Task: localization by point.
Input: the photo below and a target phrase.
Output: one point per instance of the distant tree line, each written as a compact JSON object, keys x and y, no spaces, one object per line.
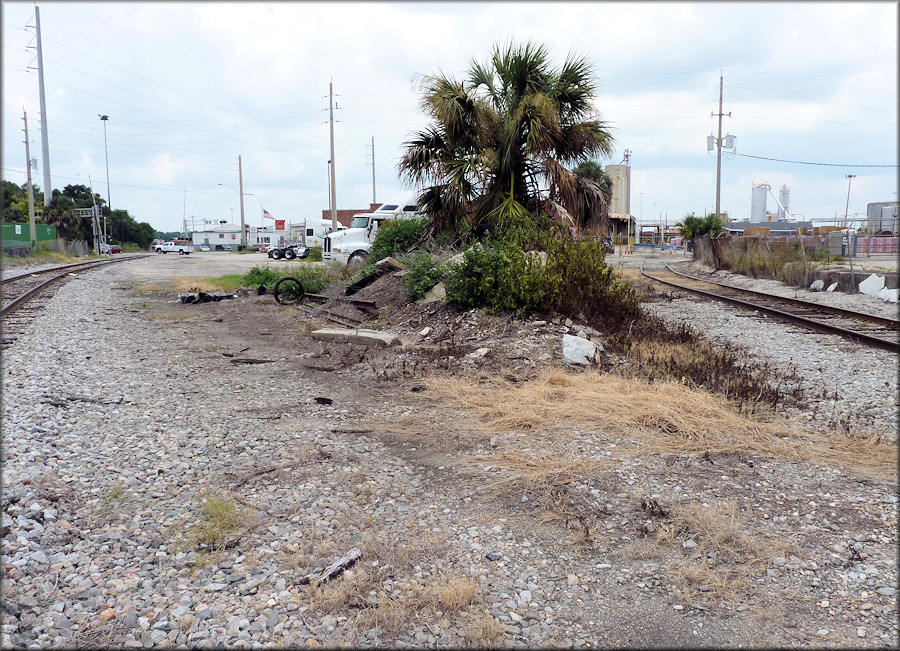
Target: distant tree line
{"x":120,"y":226}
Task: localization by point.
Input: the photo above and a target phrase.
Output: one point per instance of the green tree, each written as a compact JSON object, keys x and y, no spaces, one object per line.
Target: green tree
{"x":61,"y":213}
{"x":692,"y":227}
{"x":82,"y":196}
{"x":500,"y":140}
{"x":15,"y":202}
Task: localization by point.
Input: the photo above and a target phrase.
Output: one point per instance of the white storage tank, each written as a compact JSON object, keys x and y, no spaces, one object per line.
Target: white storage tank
{"x":758,"y":202}
{"x":784,"y":196}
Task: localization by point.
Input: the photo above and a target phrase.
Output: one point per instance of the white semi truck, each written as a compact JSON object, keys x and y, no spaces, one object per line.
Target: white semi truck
{"x":352,"y":245}
{"x":305,"y":235}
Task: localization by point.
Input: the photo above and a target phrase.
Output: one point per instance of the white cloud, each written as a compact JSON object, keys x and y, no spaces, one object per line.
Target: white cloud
{"x":190,"y":87}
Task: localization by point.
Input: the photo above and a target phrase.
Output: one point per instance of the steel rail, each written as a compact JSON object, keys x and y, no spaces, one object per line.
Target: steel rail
{"x":818,"y":326}
{"x":61,"y":272}
{"x":63,"y":267}
{"x":831,"y":309}
{"x":17,"y":302}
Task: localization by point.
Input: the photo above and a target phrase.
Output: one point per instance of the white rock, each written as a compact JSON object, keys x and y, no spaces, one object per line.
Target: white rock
{"x":889,"y":295}
{"x":872,"y":285}
{"x":577,"y":350}
{"x":831,"y":287}
{"x":817,"y":285}
{"x":480,"y":353}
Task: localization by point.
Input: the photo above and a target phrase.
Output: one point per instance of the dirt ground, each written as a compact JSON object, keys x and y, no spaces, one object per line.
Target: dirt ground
{"x":759,"y":532}
{"x":661,"y":516}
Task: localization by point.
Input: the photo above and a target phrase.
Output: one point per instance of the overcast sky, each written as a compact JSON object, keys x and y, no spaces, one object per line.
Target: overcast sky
{"x":189,"y":87}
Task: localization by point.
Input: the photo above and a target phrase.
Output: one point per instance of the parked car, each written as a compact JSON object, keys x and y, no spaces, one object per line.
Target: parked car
{"x":607,"y":243}
{"x":204,"y":248}
{"x":110,"y":248}
{"x":223,"y":247}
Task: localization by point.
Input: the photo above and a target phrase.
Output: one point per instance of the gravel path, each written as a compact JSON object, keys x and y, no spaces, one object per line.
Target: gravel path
{"x":127,"y":418}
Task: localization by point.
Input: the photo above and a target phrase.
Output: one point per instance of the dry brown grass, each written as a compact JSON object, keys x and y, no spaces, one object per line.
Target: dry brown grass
{"x":362,"y":590}
{"x":484,"y":632}
{"x":661,"y":416}
{"x":547,"y":480}
{"x":193,"y":284}
{"x":148,"y":288}
{"x":452,"y":594}
{"x":725,"y":560}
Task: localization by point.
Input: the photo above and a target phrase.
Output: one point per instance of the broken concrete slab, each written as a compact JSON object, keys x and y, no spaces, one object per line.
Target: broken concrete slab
{"x":360,"y":336}
{"x":889,"y":295}
{"x":872,"y":285}
{"x":434,"y":295}
{"x":480,"y":353}
{"x":578,"y":350}
{"x":817,"y":285}
{"x":389,"y":264}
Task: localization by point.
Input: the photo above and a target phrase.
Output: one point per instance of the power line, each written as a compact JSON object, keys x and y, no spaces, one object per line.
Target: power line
{"x":800,"y":162}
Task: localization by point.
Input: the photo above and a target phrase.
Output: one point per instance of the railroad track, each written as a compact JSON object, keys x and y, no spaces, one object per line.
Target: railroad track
{"x":23,"y":293}
{"x":862,"y":328}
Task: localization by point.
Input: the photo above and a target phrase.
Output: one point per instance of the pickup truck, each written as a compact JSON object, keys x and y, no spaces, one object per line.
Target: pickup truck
{"x":166,"y":247}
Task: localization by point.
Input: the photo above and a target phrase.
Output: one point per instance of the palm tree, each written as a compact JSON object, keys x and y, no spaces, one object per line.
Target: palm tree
{"x":500,"y":141}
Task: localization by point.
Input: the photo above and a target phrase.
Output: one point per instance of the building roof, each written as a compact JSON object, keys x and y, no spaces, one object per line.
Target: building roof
{"x":773,"y":226}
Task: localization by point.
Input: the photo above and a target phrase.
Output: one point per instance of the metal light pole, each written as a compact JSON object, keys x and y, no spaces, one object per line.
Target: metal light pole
{"x":850,"y":178}
{"x":850,"y":246}
{"x":104,"y":118}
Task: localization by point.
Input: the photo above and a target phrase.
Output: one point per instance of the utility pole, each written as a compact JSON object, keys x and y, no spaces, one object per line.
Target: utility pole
{"x":104,"y":118}
{"x":95,"y":217}
{"x":850,"y":178}
{"x":331,"y":126}
{"x":45,"y":141}
{"x":241,"y":186}
{"x":373,"y":169}
{"x":719,"y":147}
{"x":31,"y":222}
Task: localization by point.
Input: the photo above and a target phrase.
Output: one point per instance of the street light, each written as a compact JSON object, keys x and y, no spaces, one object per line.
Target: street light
{"x":850,"y":178}
{"x":104,"y":118}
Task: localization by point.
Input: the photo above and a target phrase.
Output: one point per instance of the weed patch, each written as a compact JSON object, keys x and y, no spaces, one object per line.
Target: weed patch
{"x":220,"y":517}
{"x":723,"y":559}
{"x":314,"y":279}
{"x":682,"y":355}
{"x":558,"y":484}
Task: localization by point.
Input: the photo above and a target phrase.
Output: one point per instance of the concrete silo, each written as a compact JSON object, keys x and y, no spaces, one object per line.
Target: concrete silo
{"x":784,"y":197}
{"x":758,"y":202}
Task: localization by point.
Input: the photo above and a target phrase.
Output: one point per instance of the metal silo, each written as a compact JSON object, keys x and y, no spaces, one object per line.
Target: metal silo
{"x":758,"y":202}
{"x":784,"y":196}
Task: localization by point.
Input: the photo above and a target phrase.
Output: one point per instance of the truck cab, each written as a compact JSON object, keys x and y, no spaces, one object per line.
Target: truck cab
{"x":352,"y":245}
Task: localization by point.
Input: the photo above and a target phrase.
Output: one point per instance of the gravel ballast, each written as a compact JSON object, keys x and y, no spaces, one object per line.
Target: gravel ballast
{"x":126,"y":415}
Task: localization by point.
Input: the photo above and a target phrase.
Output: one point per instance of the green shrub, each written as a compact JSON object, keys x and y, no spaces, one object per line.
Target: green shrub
{"x":528,"y":267}
{"x":497,"y":276}
{"x":315,"y":254}
{"x":261,"y":276}
{"x":314,"y":279}
{"x":424,"y":273}
{"x":396,"y":237}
